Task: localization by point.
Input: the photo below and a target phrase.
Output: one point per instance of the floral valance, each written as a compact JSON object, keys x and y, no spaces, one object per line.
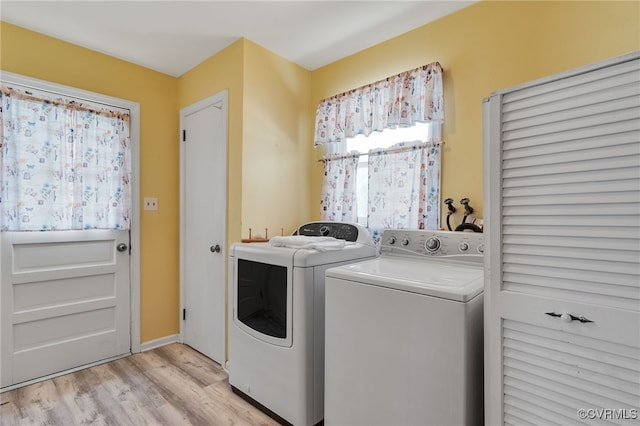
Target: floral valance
{"x":400,"y":100}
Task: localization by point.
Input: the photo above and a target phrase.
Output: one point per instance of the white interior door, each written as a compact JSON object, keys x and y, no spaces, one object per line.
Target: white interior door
{"x":562,"y":283}
{"x":203,"y":225}
{"x":65,"y":301}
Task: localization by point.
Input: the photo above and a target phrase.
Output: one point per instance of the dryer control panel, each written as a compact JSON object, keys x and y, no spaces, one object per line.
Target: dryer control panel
{"x":464,"y":245}
{"x":343,"y":231}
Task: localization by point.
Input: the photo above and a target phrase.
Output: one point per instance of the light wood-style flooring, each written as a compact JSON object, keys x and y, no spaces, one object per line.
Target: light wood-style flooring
{"x":170,"y":385}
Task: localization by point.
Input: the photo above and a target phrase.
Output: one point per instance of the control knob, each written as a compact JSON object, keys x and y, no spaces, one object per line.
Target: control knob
{"x":392,"y":240}
{"x":405,"y":242}
{"x":432,"y":244}
{"x":463,"y":246}
{"x":324,"y":230}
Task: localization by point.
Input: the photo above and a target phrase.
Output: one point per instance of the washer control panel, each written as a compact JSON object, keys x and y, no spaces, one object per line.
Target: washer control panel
{"x":432,"y":243}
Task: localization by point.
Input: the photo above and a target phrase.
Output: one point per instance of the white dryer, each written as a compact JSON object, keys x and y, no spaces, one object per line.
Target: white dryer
{"x":276,"y":324}
{"x":403,"y":338}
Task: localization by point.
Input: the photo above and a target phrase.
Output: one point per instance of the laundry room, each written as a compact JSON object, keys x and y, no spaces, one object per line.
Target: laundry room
{"x":270,"y":180}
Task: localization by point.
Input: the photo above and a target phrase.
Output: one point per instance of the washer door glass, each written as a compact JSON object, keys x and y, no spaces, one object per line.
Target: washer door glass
{"x":262,"y":297}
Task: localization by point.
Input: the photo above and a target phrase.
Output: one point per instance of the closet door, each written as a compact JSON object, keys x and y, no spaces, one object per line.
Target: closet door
{"x":562,"y":260}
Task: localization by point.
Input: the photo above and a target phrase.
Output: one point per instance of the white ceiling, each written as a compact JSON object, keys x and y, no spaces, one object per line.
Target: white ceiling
{"x":174,"y":36}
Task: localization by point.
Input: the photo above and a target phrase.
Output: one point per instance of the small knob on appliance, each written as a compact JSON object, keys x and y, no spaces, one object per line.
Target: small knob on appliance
{"x":405,"y":242}
{"x":481,"y":248}
{"x":324,"y":230}
{"x":463,"y":246}
{"x":432,"y":244}
{"x":391,"y":240}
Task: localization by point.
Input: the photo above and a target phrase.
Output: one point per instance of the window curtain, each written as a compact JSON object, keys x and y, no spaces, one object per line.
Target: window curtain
{"x":65,"y":165}
{"x":401,"y":100}
{"x":338,"y":198}
{"x":404,"y":187}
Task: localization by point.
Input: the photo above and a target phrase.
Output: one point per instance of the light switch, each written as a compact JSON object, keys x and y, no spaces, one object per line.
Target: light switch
{"x":150,"y":203}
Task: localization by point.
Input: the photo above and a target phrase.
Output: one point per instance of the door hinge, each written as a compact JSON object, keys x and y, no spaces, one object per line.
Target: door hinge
{"x":184,"y":135}
{"x":184,"y":314}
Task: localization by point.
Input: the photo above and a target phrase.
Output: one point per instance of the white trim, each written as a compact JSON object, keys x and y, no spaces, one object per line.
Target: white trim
{"x":221,"y":98}
{"x":157,"y":343}
{"x":134,"y":109}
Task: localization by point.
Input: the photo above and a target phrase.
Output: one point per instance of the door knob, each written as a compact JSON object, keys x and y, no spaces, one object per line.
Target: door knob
{"x":215,"y":249}
{"x":122,"y":247}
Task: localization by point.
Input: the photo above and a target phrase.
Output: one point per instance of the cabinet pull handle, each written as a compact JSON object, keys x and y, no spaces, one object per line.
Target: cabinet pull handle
{"x":568,"y":317}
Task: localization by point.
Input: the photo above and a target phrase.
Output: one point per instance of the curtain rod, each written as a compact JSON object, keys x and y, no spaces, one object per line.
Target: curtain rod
{"x":399,"y":149}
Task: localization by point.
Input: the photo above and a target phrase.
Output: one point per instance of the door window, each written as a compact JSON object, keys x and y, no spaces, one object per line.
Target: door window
{"x":65,"y":163}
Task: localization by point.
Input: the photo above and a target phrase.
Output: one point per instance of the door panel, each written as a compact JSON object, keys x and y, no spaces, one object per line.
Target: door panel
{"x":65,"y":301}
{"x":203,"y":235}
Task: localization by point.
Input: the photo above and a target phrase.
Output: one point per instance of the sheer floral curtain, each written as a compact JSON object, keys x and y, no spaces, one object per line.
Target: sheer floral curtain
{"x":400,"y":100}
{"x":338,"y":202}
{"x":403,"y":181}
{"x":64,"y":165}
{"x":404,"y":187}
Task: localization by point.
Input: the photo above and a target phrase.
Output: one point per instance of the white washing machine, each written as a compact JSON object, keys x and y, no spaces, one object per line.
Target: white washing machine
{"x":276,"y":324}
{"x":403,"y":337}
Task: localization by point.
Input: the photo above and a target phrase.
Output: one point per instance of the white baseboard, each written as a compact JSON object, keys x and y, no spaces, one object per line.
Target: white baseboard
{"x":152,"y":344}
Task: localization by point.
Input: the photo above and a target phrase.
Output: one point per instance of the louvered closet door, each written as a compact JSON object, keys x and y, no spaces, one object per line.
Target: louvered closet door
{"x":562,"y":186}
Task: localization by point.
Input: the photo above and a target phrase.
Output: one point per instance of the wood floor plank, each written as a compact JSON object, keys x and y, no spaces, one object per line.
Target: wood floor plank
{"x":237,"y":410}
{"x":169,"y":386}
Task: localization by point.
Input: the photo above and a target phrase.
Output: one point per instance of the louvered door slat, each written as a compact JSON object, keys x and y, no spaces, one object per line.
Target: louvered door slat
{"x":530,"y":404}
{"x":614,"y":197}
{"x":572,"y":135}
{"x":556,"y":159}
{"x":612,"y":230}
{"x":567,"y":242}
{"x":583,"y":173}
{"x":562,"y":115}
{"x":519,"y":149}
{"x":574,"y":85}
{"x":548,"y":274}
{"x":621,"y":89}
{"x":629,"y":184}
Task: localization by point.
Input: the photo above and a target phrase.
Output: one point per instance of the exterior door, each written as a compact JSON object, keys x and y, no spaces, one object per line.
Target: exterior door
{"x":69,"y":298}
{"x":562,"y":282}
{"x":203,"y":225}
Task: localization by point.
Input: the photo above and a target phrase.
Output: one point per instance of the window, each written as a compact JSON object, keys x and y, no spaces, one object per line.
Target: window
{"x":383,"y":183}
{"x":385,"y":139}
{"x":382,"y":140}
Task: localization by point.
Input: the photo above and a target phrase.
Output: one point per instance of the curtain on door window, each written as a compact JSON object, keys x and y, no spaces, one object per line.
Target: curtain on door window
{"x":338,"y":202}
{"x":404,"y":187}
{"x":65,"y":164}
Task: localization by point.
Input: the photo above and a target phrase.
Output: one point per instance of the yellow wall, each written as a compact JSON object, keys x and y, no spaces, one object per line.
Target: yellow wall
{"x":483,"y":48}
{"x":35,"y":55}
{"x":275,"y":145}
{"x":220,"y":72}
